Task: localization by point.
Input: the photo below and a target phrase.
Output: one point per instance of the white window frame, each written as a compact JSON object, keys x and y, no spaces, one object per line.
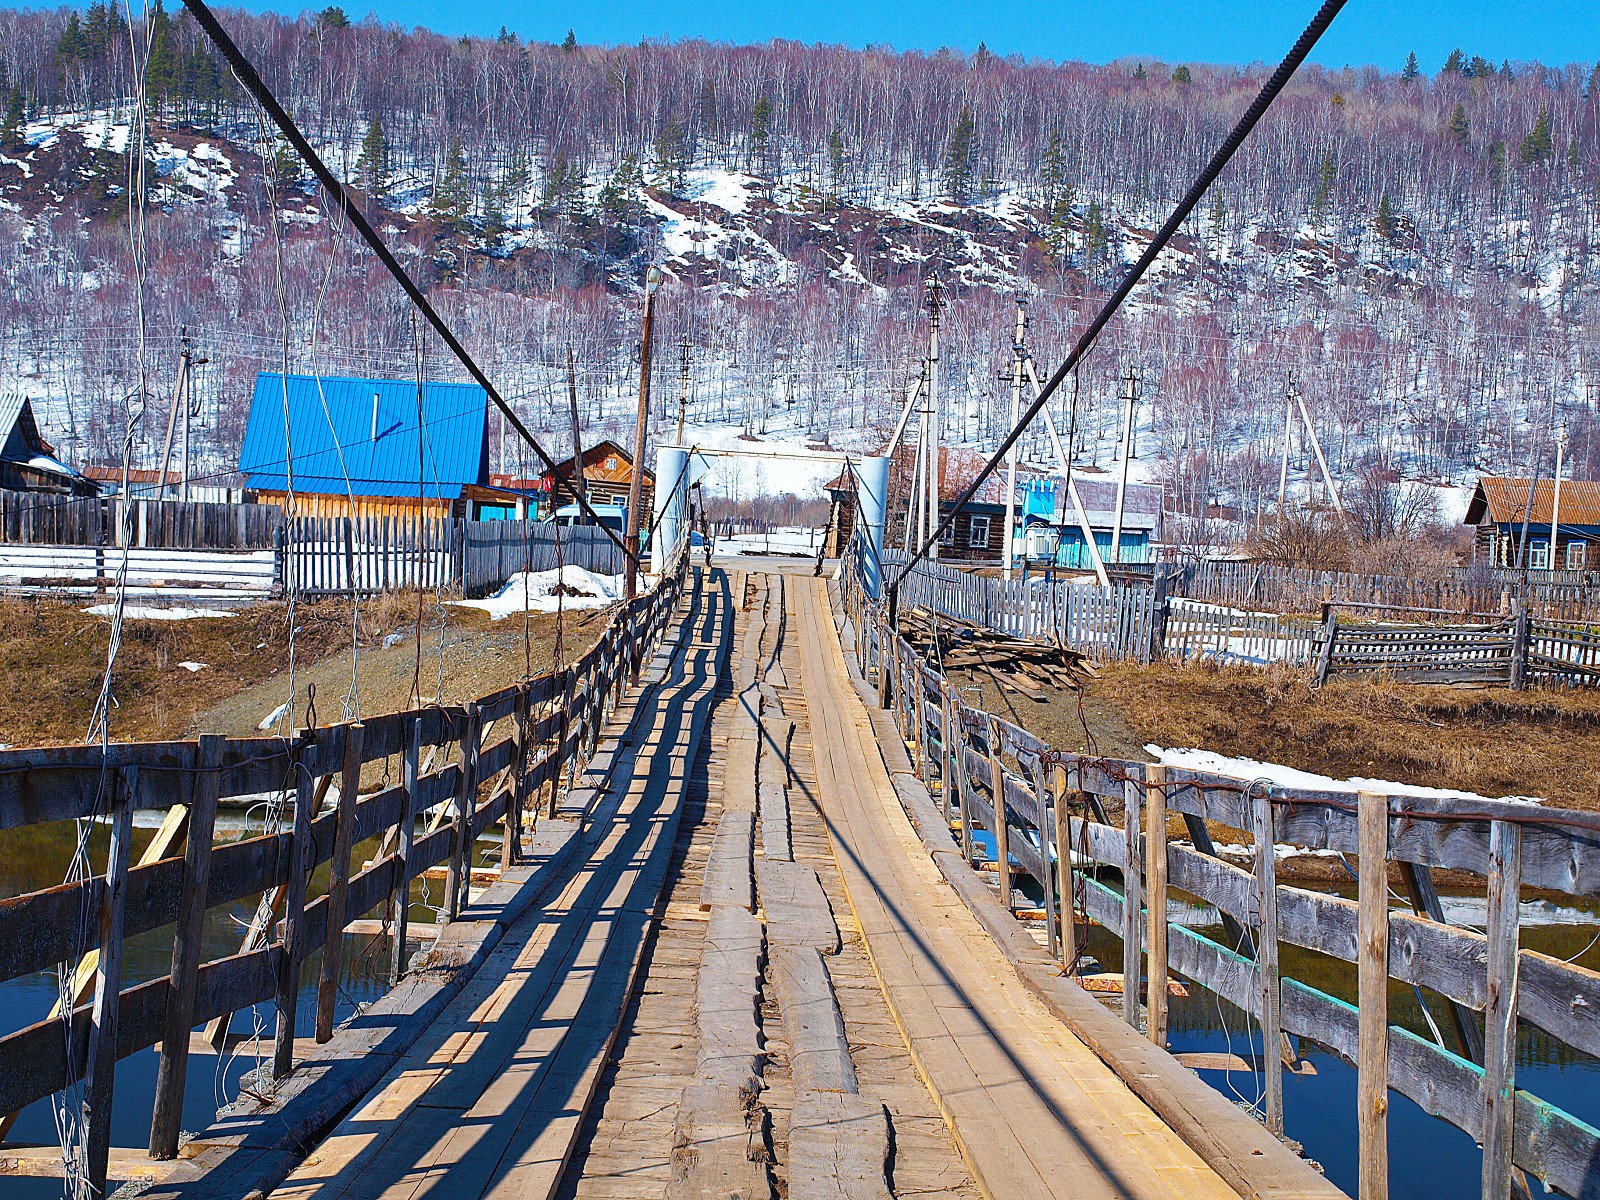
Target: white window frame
{"x":1538,"y":554}
{"x":975,"y":542}
{"x":1577,"y":554}
{"x":948,"y":537}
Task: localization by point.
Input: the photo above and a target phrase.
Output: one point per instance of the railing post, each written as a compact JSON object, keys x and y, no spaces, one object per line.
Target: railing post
{"x":1001,"y":830}
{"x":458,"y":875}
{"x":1500,"y":1011}
{"x":1269,"y":994}
{"x":1155,"y":871}
{"x":187,"y":951}
{"x":517,"y":800}
{"x":1052,"y":901}
{"x":1372,"y":1066}
{"x":1066,"y":887}
{"x":102,"y":1063}
{"x":294,"y":906}
{"x":339,"y":880}
{"x":400,"y":891}
{"x":1132,"y":893}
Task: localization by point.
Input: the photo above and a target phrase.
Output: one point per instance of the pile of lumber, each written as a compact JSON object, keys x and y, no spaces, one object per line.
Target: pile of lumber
{"x":963,"y":646}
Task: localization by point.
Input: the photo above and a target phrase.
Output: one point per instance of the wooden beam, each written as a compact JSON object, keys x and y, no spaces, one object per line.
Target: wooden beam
{"x":1132,"y":899}
{"x":339,"y":882}
{"x":187,"y":952}
{"x":400,"y":895}
{"x":1372,"y":1063}
{"x":997,"y":792}
{"x":100,"y":1074}
{"x":1155,"y":871}
{"x":301,"y":854}
{"x":1271,"y":997}
{"x":1066,"y":887}
{"x":1500,"y":1017}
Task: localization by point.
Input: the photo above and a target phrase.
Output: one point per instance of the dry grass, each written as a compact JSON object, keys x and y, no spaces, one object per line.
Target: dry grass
{"x":52,"y":657}
{"x":1489,"y":740}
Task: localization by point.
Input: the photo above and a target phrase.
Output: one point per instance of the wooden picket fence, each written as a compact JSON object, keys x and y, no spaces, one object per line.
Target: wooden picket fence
{"x":554,"y":722}
{"x":40,"y":519}
{"x":1092,"y":836}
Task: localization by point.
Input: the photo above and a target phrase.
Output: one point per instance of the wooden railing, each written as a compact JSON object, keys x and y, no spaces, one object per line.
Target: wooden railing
{"x":554,"y":721}
{"x":1111,"y":815}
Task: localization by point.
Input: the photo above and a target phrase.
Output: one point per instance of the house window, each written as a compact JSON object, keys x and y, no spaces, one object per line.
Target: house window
{"x":947,"y":536}
{"x":611,"y":462}
{"x":1577,"y":555}
{"x":978,"y":532}
{"x":1539,"y":554}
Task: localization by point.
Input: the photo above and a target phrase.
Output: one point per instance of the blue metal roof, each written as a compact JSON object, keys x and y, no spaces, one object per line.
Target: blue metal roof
{"x":367,"y":431}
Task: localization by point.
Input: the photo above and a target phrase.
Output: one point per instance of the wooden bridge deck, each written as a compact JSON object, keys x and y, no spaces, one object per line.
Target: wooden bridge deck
{"x":750,"y":980}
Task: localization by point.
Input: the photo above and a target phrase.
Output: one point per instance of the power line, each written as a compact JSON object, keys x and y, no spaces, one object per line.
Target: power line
{"x":1191,"y":199}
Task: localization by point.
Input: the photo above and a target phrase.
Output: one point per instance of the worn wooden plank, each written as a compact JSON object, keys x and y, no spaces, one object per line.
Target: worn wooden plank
{"x":101,"y":1068}
{"x":838,"y":1147}
{"x":187,"y":953}
{"x":1155,"y":871}
{"x":1267,"y":956}
{"x":400,"y":898}
{"x":1372,"y":1068}
{"x":1132,"y":893}
{"x":1500,"y":1015}
{"x":728,"y":878}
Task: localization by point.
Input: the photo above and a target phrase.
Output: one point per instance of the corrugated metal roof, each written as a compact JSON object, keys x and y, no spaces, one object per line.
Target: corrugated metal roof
{"x":11,"y":404}
{"x":338,"y":441}
{"x":1504,"y":501}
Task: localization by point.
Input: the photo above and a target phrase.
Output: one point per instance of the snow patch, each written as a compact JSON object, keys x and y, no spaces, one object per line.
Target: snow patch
{"x":536,"y":592}
{"x":142,"y":612}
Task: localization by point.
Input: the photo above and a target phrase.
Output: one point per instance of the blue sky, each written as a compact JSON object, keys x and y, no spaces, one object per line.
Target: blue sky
{"x":1224,"y":31}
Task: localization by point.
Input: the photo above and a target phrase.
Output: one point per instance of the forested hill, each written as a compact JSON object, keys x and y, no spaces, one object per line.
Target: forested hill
{"x":1414,"y":247}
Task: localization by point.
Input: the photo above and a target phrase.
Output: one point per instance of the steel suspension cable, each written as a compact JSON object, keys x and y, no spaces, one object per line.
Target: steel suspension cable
{"x":336,"y":190}
{"x":1269,"y":92}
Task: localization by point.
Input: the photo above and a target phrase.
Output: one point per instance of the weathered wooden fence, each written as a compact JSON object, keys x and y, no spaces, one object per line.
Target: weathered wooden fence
{"x":323,"y":556}
{"x":553,"y":722}
{"x":38,"y":519}
{"x":1092,"y":836}
{"x":1481,"y":591}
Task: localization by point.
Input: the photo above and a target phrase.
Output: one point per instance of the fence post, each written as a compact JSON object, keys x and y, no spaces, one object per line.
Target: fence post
{"x":294,"y":906}
{"x":1519,"y":647}
{"x":171,"y":1073}
{"x":1132,"y":893}
{"x":102,"y":1064}
{"x":1372,"y":1053}
{"x":1330,"y":629}
{"x":339,"y":880}
{"x":1269,"y":994}
{"x":1155,"y":869}
{"x":1001,"y":831}
{"x":1500,"y":1011}
{"x":350,"y":557}
{"x":400,"y":892}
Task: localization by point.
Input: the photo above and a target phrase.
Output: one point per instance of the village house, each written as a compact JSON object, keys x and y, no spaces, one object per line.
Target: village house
{"x":28,"y":463}
{"x":1503,"y":519}
{"x":372,"y":448}
{"x":607,"y":476}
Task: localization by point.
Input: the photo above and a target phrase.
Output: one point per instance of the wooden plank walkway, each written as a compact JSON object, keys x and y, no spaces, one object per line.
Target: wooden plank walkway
{"x":1032,"y":1108}
{"x":489,"y":1102}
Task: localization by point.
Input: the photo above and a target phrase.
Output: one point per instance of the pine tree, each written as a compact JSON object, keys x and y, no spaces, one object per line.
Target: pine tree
{"x":494,"y":213}
{"x":11,"y":123}
{"x":1537,"y":145}
{"x":1219,"y":221}
{"x":286,"y":168}
{"x":1458,"y":127}
{"x":162,"y":67}
{"x":1181,"y":75}
{"x":518,"y":173}
{"x":672,"y":157}
{"x":506,"y":37}
{"x":760,"y":132}
{"x":72,"y":44}
{"x":619,"y":200}
{"x":1059,"y":196}
{"x":960,"y":158}
{"x":1572,"y":154}
{"x":1386,"y":224}
{"x":1139,"y":72}
{"x":1479,"y":68}
{"x":1095,"y":240}
{"x":570,"y":42}
{"x":333,"y":17}
{"x":372,"y":167}
{"x":1452,"y":65}
{"x":1412,"y":69}
{"x":1497,"y":161}
{"x":452,"y":196}
{"x":836,"y":165}
{"x":1323,"y":195}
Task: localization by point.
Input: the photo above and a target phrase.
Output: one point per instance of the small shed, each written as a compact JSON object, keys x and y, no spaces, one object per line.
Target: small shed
{"x":1500,"y":510}
{"x":369,"y":447}
{"x":28,"y":463}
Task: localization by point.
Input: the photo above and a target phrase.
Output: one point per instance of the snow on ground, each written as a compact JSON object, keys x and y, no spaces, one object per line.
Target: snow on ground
{"x":536,"y":592}
{"x":802,"y":542}
{"x":772,"y":466}
{"x":140,"y":612}
{"x":1249,"y":769}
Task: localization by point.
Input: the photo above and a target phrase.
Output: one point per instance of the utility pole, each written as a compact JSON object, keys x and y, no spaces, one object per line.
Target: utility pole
{"x":180,"y":399}
{"x":1011,"y":457}
{"x":1127,"y":453}
{"x":683,"y":391}
{"x":1288,"y":425}
{"x":578,"y":486}
{"x":1316,"y":448}
{"x":932,"y":461}
{"x":1555,"y":507}
{"x":652,"y":280}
